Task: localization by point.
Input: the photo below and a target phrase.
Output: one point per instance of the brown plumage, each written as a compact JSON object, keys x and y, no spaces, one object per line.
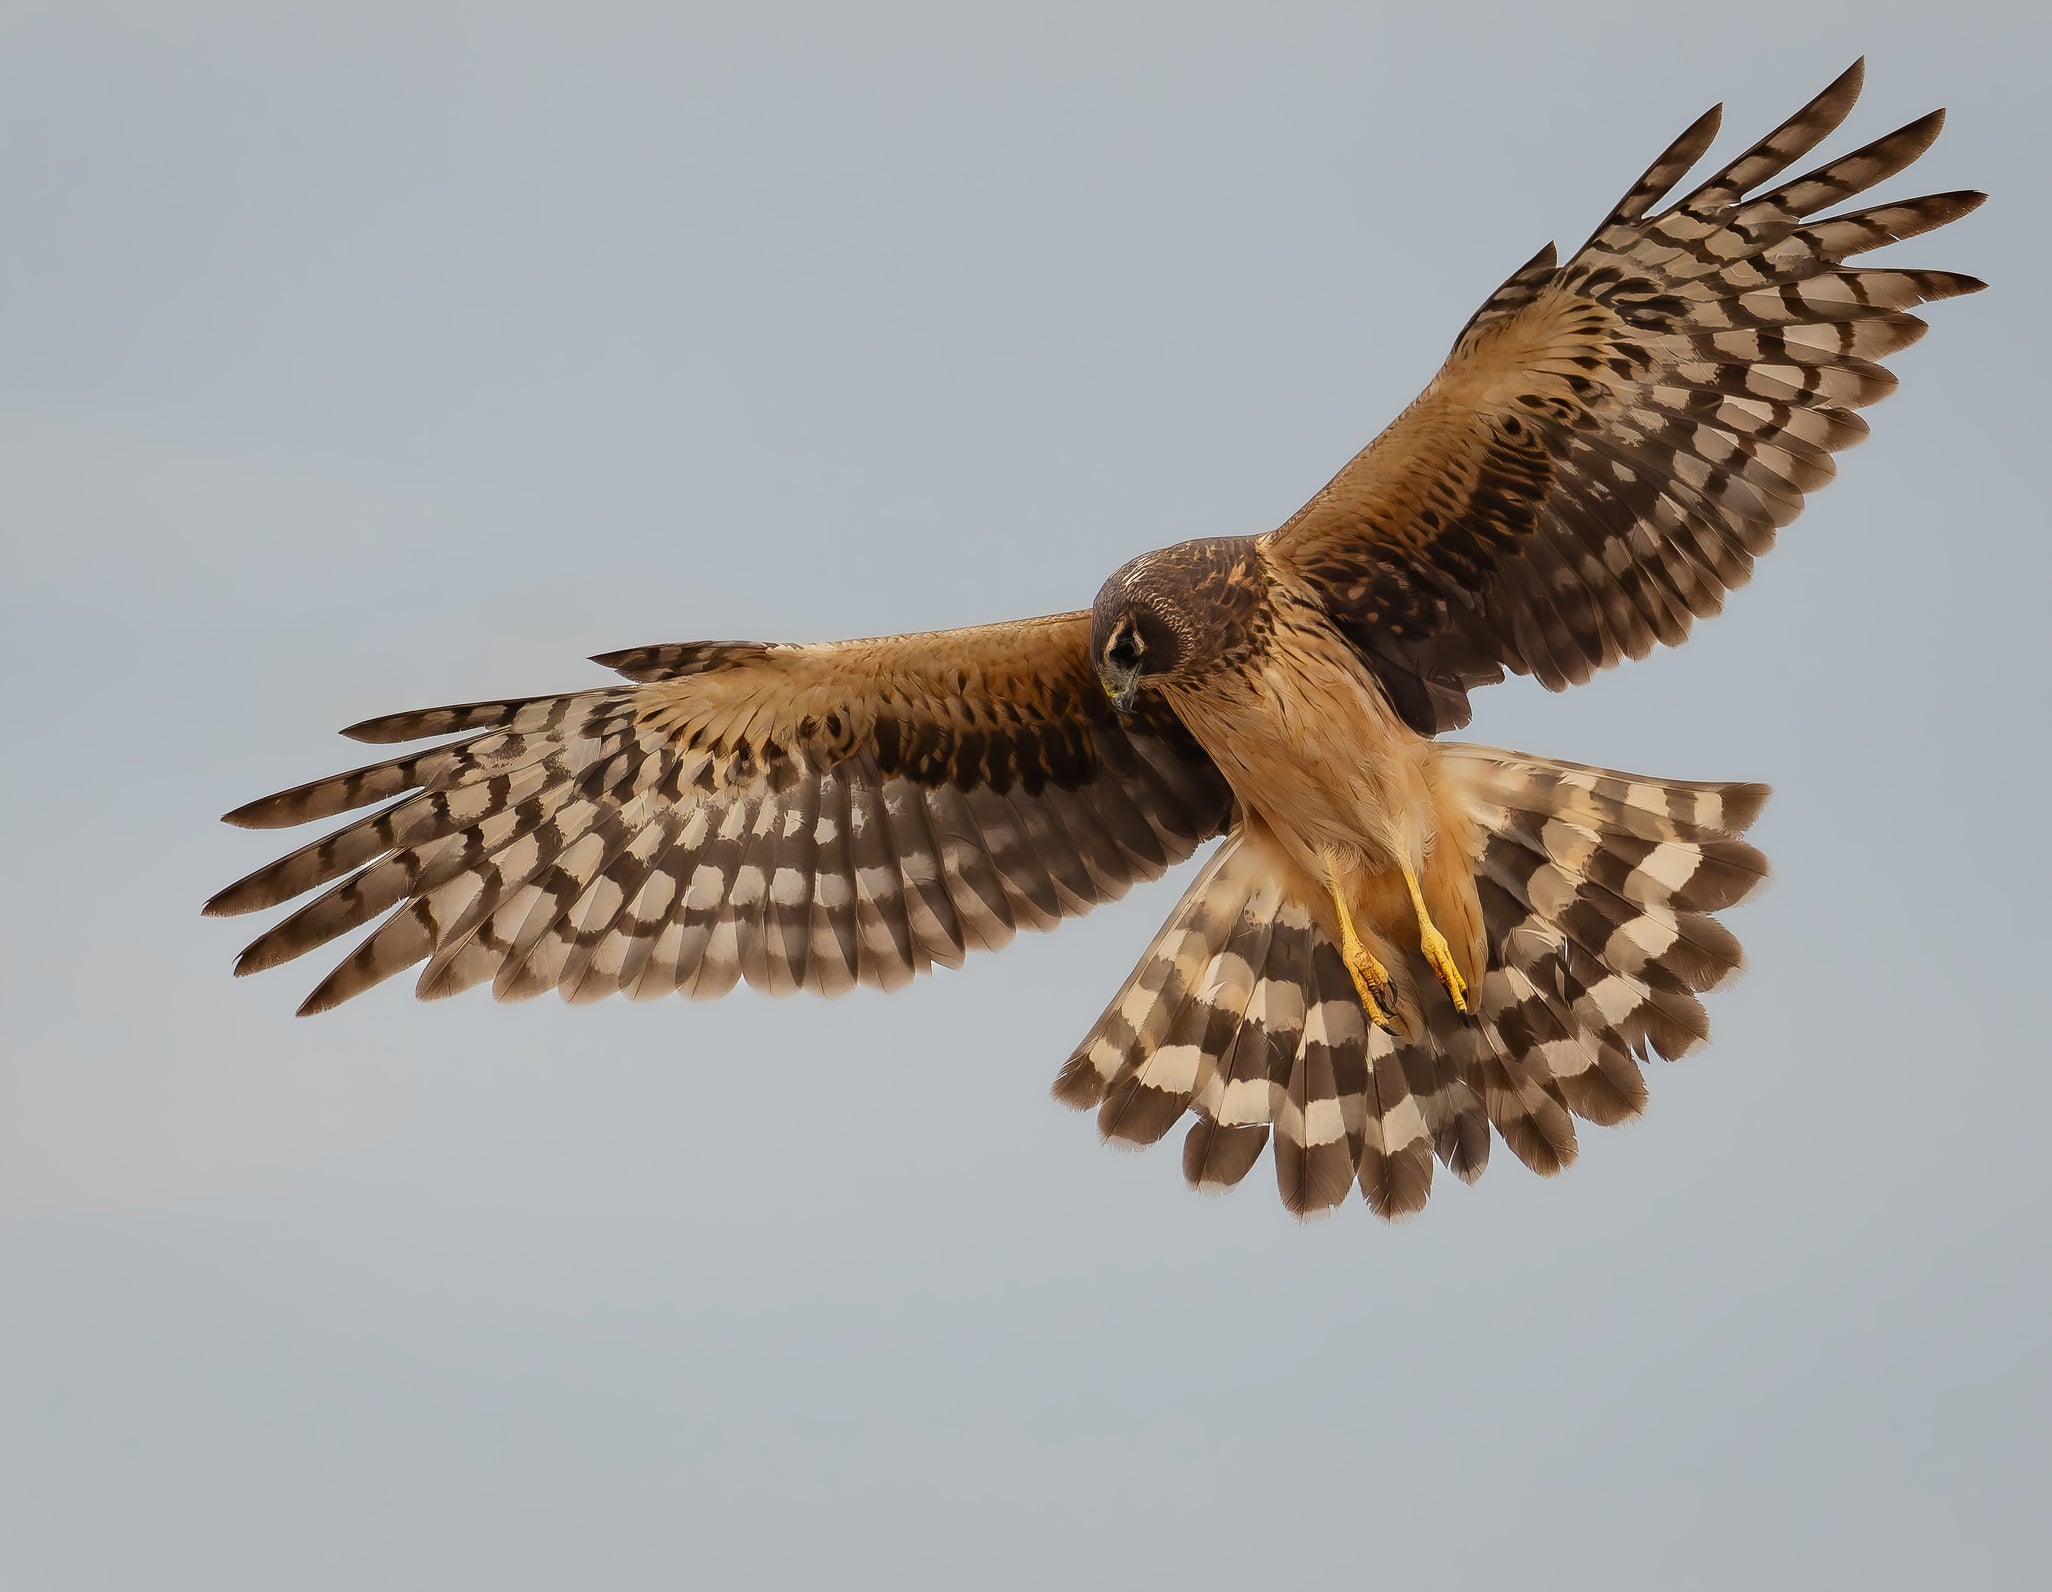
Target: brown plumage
{"x":1402,"y":943}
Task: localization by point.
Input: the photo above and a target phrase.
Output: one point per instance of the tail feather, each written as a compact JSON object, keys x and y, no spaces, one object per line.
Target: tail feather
{"x":1395,"y":1164}
{"x":1441,"y":1075}
{"x":1140,"y":1015}
{"x":1318,"y":1126}
{"x":1630,"y":935}
{"x":1149,"y":1099}
{"x":1596,"y":891}
{"x":1236,"y":1102}
{"x":1521,"y":1049}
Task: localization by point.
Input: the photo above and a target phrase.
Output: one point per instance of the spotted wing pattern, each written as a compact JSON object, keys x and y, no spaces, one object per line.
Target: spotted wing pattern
{"x":1597,"y":890}
{"x":792,"y":816}
{"x":1613,"y":441}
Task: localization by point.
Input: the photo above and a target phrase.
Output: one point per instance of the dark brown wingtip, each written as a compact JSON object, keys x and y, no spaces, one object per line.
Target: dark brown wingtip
{"x":389,"y":729}
{"x":420,"y":724}
{"x":321,"y":1000}
{"x":258,"y":814}
{"x":1913,"y":138}
{"x":378,"y":731}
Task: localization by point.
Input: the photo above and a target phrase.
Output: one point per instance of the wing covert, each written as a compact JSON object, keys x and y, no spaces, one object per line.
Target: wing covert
{"x":1613,"y":441}
{"x":792,"y":816}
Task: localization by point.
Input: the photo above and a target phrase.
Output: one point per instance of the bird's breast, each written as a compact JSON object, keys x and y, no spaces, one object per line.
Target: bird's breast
{"x":1307,"y":740}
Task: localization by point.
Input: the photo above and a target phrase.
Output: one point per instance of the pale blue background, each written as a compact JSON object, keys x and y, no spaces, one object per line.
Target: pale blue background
{"x":363,"y":356}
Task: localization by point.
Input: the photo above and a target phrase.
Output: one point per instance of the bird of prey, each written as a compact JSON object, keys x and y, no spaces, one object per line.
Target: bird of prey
{"x":1401,"y":942}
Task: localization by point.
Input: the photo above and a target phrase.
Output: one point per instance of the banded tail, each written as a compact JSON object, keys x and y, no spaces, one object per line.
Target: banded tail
{"x":1596,"y":889}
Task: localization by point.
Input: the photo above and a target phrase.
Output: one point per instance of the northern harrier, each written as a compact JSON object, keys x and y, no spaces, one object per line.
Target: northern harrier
{"x":1401,"y":940}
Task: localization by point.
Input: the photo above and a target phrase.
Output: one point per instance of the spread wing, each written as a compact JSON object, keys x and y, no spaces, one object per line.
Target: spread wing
{"x":796,"y":816}
{"x":1613,"y":441}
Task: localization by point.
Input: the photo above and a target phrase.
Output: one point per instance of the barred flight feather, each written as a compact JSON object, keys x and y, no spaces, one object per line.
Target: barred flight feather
{"x":1615,"y":440}
{"x":1596,"y":890}
{"x":798,"y":818}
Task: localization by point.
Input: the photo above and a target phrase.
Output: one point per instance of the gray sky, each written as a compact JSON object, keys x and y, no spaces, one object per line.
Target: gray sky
{"x":358,"y":358}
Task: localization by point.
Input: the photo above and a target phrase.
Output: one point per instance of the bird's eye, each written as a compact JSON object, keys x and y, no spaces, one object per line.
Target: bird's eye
{"x":1124,"y":651}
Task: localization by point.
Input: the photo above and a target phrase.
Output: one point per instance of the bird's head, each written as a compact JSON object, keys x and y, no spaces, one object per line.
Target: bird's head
{"x":1133,"y":638}
{"x":1168,"y":613}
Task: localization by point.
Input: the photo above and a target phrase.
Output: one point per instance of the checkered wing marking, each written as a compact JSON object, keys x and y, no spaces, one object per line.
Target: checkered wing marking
{"x":796,"y":817}
{"x":1613,"y":441}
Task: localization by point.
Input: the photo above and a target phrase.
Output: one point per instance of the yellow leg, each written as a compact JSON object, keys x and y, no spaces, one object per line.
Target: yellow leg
{"x":1438,"y":954}
{"x":1371,"y":978}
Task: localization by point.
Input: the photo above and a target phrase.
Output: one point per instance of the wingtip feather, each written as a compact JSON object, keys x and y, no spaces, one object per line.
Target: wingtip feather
{"x":375,"y":731}
{"x":323,"y":999}
{"x":263,"y":813}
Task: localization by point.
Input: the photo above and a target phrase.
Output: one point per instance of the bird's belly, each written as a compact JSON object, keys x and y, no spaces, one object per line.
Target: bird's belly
{"x":1317,"y":753}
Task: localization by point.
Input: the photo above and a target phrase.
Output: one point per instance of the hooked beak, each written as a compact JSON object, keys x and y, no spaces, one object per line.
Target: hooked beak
{"x":1119,"y":684}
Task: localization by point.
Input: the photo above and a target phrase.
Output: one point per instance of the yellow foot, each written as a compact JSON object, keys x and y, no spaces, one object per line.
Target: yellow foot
{"x":1439,"y":957}
{"x":1438,"y":954}
{"x":1371,"y":982}
{"x":1371,"y":978}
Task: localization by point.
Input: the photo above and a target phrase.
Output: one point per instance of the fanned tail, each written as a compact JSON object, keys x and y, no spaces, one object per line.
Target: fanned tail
{"x":1597,"y":890}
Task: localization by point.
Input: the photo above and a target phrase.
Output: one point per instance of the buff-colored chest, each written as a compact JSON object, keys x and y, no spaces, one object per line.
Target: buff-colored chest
{"x":1309,"y":743}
